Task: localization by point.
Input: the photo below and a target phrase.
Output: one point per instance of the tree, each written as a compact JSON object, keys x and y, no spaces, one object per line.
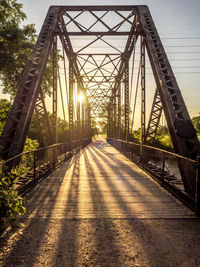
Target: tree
{"x":94,"y":128}
{"x":196,"y":123}
{"x":11,"y":12}
{"x":16,"y":44}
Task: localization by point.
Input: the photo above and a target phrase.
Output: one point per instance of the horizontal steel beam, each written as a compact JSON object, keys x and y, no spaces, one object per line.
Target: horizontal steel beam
{"x":100,"y":8}
{"x":99,"y":54}
{"x":98,"y":33}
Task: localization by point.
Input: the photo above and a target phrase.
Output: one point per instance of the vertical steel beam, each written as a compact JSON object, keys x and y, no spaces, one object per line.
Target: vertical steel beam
{"x":78,"y":112}
{"x":126,"y":99}
{"x":111,"y":116}
{"x":87,"y":119}
{"x":89,"y":123}
{"x":114,"y":113}
{"x":83,"y":118}
{"x":86,"y":126}
{"x":71,"y":99}
{"x":143,"y":89}
{"x":197,"y":195}
{"x":55,"y":90}
{"x":119,"y":110}
{"x":109,"y":123}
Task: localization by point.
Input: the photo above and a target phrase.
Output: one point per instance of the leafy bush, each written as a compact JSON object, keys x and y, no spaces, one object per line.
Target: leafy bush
{"x":11,"y":204}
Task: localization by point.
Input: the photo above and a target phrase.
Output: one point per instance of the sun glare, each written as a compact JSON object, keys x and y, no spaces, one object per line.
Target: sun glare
{"x":80,"y":98}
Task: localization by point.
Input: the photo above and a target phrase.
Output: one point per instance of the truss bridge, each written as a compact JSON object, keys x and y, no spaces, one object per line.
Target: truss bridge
{"x":98,"y":55}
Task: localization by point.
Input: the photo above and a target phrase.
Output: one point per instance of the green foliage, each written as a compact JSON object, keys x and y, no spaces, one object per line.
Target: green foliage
{"x":103,"y":126}
{"x":164,"y":142}
{"x":62,"y":130}
{"x":34,"y":131}
{"x":16,"y":44}
{"x":15,"y":48}
{"x":135,"y":137}
{"x":30,"y":145}
{"x":163,"y":139}
{"x":27,"y":159}
{"x":4,"y":109}
{"x":11,"y":205}
{"x":94,"y":128}
{"x":11,"y":12}
{"x":196,"y":123}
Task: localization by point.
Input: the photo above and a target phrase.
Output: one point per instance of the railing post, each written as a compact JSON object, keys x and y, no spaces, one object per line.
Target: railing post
{"x":197,"y":198}
{"x":1,"y":167}
{"x":65,"y":153}
{"x":163,"y":168}
{"x":34,"y":167}
{"x":132,"y":152}
{"x":54,"y":157}
{"x":141,"y":154}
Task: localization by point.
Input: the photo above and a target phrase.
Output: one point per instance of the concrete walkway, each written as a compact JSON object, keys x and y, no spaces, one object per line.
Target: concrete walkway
{"x":100,"y":209}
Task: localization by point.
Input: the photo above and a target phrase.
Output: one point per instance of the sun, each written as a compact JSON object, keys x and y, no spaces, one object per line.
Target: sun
{"x":80,"y":98}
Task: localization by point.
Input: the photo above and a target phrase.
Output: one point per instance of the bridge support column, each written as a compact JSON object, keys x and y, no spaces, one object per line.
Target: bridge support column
{"x":79,"y":91}
{"x":109,"y":122}
{"x":197,"y":198}
{"x":71,"y":91}
{"x":55,"y":87}
{"x":143,"y":90}
{"x":126,"y":99}
{"x":83,"y":119}
{"x":119,"y":111}
{"x":114,"y":114}
{"x":111,"y":118}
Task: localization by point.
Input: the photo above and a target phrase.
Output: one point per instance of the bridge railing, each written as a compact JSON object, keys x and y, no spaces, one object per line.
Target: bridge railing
{"x":164,"y":166}
{"x":31,"y":167}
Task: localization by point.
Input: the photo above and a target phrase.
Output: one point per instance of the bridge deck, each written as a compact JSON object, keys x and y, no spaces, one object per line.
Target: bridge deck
{"x":102,"y":183}
{"x":100,"y":209}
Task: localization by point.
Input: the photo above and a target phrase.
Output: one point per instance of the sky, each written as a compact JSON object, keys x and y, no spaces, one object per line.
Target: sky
{"x":178,"y":24}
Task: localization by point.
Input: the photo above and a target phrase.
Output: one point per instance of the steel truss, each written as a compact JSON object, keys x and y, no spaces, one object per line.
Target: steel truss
{"x":103,"y":77}
{"x":154,"y":119}
{"x":43,"y":120}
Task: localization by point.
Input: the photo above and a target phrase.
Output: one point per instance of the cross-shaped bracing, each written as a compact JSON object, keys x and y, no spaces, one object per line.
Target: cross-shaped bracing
{"x":98,"y":20}
{"x":98,"y":72}
{"x":100,"y":68}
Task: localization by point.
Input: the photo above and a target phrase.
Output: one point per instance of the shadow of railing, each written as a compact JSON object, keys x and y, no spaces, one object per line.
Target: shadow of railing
{"x":31,"y":167}
{"x":169,"y":169}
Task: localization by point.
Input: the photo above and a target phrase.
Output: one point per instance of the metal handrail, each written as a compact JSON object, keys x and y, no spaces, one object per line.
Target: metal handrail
{"x":40,"y":149}
{"x":43,"y":161}
{"x":155,"y":165}
{"x":154,"y":148}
